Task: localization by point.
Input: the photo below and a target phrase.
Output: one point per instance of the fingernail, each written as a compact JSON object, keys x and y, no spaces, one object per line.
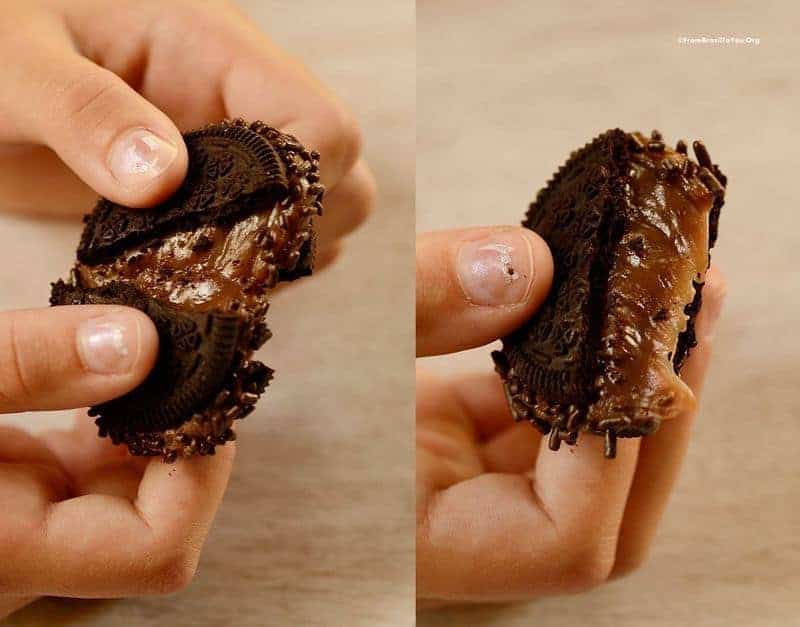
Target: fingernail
{"x":139,"y":156}
{"x":108,"y":344}
{"x":497,"y":269}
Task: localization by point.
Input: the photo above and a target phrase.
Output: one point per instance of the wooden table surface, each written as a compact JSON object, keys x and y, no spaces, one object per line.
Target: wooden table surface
{"x":505,"y":91}
{"x":317,"y":524}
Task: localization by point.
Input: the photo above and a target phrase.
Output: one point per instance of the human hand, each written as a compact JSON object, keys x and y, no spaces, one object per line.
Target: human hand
{"x":500,"y":517}
{"x":98,"y":91}
{"x":83,"y":518}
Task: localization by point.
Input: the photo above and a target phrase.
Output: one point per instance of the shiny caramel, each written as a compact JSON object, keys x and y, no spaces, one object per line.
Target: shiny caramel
{"x":662,"y":254}
{"x":211,"y":267}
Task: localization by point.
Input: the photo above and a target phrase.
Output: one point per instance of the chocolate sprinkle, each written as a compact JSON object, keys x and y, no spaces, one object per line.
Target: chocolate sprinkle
{"x":703,"y":158}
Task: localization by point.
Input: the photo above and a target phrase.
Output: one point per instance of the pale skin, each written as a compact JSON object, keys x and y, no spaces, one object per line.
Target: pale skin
{"x":500,"y":517}
{"x":82,"y":518}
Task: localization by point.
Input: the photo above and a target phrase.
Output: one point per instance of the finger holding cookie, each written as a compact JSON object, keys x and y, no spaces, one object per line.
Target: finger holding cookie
{"x":100,"y":118}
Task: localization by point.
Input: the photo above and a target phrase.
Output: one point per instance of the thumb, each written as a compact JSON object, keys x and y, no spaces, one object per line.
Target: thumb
{"x":72,"y":356}
{"x":111,"y":137}
{"x":477,"y":285}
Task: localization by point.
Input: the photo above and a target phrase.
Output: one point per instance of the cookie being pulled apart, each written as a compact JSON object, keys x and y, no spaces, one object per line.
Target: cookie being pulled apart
{"x":630,"y":223}
{"x":201,"y":265}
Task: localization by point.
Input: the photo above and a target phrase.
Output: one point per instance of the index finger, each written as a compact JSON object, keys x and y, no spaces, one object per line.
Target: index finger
{"x":549,"y":532}
{"x":264,"y":83}
{"x":662,"y":453}
{"x":109,"y":546}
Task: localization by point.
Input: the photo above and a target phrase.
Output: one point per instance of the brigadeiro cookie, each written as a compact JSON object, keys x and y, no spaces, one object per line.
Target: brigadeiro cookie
{"x":630,"y":223}
{"x":201,"y":265}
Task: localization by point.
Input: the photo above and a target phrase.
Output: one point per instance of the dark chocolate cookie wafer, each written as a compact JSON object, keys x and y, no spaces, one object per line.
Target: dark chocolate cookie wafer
{"x":201,"y":265}
{"x":630,"y":223}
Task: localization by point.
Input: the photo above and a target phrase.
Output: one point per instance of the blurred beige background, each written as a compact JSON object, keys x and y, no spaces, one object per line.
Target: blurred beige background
{"x":505,"y":91}
{"x":317,"y":524}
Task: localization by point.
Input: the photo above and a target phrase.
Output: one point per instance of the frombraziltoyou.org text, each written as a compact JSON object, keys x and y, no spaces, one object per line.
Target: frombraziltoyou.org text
{"x":718,"y":40}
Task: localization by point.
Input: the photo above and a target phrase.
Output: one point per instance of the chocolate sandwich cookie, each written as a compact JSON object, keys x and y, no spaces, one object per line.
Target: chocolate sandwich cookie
{"x":201,"y":265}
{"x":630,"y":223}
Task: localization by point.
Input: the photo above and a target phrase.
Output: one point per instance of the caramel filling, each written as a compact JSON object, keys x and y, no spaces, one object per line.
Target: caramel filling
{"x":650,"y":283}
{"x":213,"y":267}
